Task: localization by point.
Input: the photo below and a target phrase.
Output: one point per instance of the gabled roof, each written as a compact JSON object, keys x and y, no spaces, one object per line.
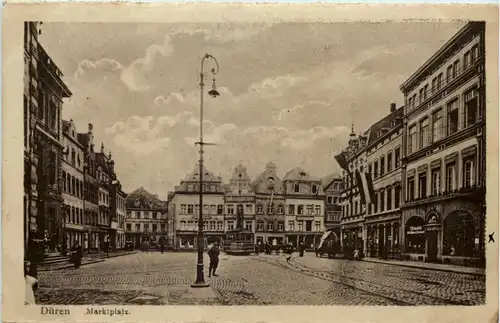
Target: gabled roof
{"x":102,"y":161}
{"x":386,"y":124}
{"x":327,"y":180}
{"x":261,"y":183}
{"x":194,"y":175}
{"x":299,"y":174}
{"x":83,"y":138}
{"x":140,"y":198}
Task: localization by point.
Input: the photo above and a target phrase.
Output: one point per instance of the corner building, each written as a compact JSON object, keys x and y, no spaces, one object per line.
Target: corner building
{"x":185,"y":207}
{"x":444,"y":160}
{"x":352,"y":159}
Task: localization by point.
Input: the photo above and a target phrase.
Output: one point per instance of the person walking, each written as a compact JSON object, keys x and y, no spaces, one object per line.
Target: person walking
{"x":77,"y":255}
{"x":30,"y":285}
{"x":213,"y":253}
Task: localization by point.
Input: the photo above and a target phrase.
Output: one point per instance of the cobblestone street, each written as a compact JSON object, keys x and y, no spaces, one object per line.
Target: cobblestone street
{"x":155,"y":279}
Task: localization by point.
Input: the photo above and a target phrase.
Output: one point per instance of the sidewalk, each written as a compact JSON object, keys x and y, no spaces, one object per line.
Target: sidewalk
{"x":87,"y":260}
{"x":429,"y":266}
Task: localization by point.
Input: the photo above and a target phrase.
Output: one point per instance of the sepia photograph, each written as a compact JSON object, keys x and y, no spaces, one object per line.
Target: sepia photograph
{"x":264,"y":162}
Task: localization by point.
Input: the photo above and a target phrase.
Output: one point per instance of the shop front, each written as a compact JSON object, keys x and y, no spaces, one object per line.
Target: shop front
{"x":352,"y":238}
{"x":455,"y":239}
{"x":382,"y":239}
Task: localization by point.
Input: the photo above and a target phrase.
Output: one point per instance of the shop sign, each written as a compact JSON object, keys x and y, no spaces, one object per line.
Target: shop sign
{"x":416,"y":230}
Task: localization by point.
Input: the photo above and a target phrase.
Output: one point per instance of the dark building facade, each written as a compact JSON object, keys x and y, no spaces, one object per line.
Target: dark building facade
{"x":44,"y":92}
{"x":91,"y":192}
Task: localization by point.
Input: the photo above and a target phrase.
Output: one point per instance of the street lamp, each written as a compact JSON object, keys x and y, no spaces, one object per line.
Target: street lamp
{"x":200,"y":279}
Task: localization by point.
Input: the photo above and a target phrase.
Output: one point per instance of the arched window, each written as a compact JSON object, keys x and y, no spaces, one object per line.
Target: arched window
{"x":459,"y":235}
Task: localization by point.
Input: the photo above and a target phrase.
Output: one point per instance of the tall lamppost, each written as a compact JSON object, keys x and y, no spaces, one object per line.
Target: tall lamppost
{"x":200,"y":279}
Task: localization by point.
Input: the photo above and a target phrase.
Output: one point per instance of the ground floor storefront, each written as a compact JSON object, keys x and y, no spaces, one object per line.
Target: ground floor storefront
{"x":352,"y":237}
{"x":450,"y":231}
{"x":274,"y":239}
{"x":73,"y":237}
{"x":382,"y":236}
{"x":309,"y":239}
{"x":188,"y":240}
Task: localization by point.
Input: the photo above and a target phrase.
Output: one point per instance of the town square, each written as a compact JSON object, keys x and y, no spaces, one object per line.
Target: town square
{"x":214,"y":164}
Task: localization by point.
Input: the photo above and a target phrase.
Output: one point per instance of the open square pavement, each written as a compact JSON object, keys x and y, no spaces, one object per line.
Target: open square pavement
{"x":152,"y":278}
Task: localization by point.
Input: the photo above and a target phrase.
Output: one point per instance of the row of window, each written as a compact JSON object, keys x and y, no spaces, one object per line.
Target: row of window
{"x":77,"y":215}
{"x":207,"y":226}
{"x":308,"y":226}
{"x":231,"y":209}
{"x":382,"y":201}
{"x":73,"y":157}
{"x":452,"y":72}
{"x":103,"y":197}
{"x":384,"y":164}
{"x":72,"y":185}
{"x":450,"y":180}
{"x":444,"y":121}
{"x":206,"y":188}
{"x":332,"y":199}
{"x":305,"y":188}
{"x":143,"y":215}
{"x":333,"y":215}
{"x":146,"y":227}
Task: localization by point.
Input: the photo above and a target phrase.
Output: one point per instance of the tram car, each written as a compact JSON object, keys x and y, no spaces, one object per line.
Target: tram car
{"x":329,"y":245}
{"x":239,"y":242}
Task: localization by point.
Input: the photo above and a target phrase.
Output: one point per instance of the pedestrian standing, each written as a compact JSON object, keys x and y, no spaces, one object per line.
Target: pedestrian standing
{"x":30,"y":285}
{"x":213,"y":253}
{"x":302,"y":248}
{"x":162,"y":246}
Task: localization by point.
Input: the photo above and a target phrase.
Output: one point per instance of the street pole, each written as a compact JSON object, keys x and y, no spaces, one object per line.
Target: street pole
{"x":200,"y":278}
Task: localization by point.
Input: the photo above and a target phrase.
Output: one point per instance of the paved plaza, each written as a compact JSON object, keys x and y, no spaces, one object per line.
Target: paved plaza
{"x":152,"y":278}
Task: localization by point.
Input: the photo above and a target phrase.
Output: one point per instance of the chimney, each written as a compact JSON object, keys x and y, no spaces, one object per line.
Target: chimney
{"x":393,"y":107}
{"x":91,"y":127}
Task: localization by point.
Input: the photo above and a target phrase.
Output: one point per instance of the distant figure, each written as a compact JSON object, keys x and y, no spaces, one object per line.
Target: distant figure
{"x":213,"y":253}
{"x":302,"y":248}
{"x":356,"y":254}
{"x":76,"y":255}
{"x":30,"y":285}
{"x":452,"y":251}
{"x":162,"y":246}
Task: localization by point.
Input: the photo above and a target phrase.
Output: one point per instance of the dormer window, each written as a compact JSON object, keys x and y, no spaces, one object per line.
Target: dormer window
{"x":302,"y":174}
{"x":315,"y":189}
{"x":296,"y":188}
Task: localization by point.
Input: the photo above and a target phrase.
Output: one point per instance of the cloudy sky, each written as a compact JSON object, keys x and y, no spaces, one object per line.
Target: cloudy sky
{"x":289,"y":92}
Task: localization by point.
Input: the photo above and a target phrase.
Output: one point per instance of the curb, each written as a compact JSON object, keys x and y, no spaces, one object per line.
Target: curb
{"x":426,"y":268}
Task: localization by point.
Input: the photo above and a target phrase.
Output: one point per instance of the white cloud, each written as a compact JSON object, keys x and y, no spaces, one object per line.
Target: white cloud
{"x":85,"y":65}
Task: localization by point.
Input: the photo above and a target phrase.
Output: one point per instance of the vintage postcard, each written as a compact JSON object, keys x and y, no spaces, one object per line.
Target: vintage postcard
{"x":250,"y":163}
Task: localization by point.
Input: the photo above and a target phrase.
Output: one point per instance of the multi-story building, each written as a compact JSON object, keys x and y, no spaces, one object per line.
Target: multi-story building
{"x":91,"y":192}
{"x":185,"y":207}
{"x":383,"y":157}
{"x":146,"y":219}
{"x":304,"y":208}
{"x":270,"y":207}
{"x":239,"y":199}
{"x":73,"y":186}
{"x":44,"y":92}
{"x":118,"y":212}
{"x":352,"y":160}
{"x":444,"y":155}
{"x":105,"y":178}
{"x":333,"y":186}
